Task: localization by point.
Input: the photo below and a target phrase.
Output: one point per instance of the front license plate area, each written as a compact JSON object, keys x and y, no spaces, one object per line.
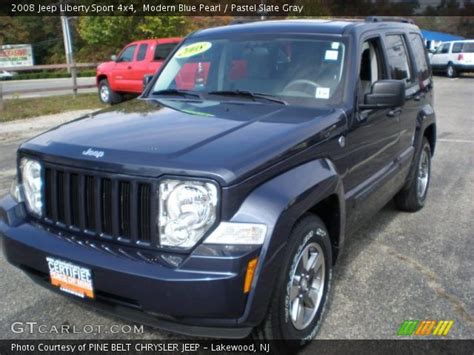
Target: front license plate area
{"x":71,"y":278}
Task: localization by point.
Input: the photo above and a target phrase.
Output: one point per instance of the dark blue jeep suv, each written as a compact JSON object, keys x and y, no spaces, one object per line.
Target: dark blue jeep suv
{"x":217,"y":203}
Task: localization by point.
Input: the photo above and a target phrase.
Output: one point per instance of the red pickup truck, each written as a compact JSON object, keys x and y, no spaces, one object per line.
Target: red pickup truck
{"x":124,"y":74}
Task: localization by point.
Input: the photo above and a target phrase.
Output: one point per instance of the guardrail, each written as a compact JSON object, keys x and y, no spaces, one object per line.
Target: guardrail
{"x":50,"y":67}
{"x":72,"y":68}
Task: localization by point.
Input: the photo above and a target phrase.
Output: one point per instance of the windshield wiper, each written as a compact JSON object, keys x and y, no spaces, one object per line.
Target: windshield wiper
{"x":249,"y":94}
{"x":175,"y":92}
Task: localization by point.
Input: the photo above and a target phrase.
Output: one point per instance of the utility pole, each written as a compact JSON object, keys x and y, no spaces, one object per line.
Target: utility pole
{"x":263,"y":16}
{"x":69,"y":51}
{"x":2,"y":105}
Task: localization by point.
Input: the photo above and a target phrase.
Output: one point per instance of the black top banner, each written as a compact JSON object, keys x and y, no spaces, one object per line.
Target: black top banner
{"x":271,"y":8}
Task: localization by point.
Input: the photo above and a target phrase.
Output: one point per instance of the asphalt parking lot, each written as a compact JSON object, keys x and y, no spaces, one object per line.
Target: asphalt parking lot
{"x":400,"y":266}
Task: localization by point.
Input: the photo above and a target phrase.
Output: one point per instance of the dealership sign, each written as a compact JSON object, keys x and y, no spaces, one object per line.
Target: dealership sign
{"x":16,"y":55}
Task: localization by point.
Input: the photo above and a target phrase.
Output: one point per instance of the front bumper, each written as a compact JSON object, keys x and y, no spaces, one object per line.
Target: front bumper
{"x":200,"y":294}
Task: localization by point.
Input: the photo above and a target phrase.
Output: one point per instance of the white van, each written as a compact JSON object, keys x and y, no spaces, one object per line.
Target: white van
{"x":454,"y":57}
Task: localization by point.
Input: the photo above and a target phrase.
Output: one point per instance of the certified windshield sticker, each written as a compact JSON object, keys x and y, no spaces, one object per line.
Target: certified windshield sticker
{"x":193,"y":49}
{"x":322,"y":93}
{"x":331,"y":55}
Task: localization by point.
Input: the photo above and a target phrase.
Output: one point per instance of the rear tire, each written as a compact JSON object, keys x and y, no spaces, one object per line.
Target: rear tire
{"x":451,"y":71}
{"x":413,"y":196}
{"x":301,"y":292}
{"x":107,"y":95}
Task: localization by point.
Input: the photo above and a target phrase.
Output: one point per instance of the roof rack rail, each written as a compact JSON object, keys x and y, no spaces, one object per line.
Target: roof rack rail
{"x":244,"y":20}
{"x":388,"y":19}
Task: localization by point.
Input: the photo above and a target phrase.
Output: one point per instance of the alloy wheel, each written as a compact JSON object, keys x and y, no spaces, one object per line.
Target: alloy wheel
{"x":307,"y":286}
{"x":104,"y":93}
{"x":450,"y":71}
{"x":423,"y":173}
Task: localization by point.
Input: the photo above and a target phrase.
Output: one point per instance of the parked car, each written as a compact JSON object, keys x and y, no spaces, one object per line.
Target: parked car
{"x":6,"y":75}
{"x":454,"y":58}
{"x":220,"y":208}
{"x":125,"y":73}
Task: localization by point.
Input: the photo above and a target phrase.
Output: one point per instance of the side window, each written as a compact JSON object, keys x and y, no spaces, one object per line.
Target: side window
{"x":127,"y":54}
{"x":457,"y":47}
{"x":420,"y":55}
{"x":163,"y":50}
{"x":142,"y":51}
{"x":371,"y":66}
{"x":468,"y":47}
{"x":398,"y":58}
{"x":445,"y":48}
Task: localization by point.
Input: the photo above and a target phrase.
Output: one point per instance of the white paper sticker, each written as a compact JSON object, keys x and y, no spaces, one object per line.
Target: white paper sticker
{"x":335,"y":45}
{"x":331,"y":55}
{"x":322,"y":93}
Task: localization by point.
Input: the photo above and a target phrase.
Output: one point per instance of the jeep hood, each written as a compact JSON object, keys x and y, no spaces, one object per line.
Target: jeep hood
{"x":226,"y":141}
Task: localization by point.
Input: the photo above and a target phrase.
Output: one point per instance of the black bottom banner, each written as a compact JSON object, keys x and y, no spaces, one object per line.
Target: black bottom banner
{"x":169,"y":346}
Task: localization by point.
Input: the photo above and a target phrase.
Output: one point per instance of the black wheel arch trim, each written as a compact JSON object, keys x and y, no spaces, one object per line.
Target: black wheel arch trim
{"x":279,"y":203}
{"x":101,"y":77}
{"x":426,"y":120}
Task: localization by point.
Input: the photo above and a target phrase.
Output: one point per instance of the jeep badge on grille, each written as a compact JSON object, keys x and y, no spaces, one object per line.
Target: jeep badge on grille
{"x":93,"y":153}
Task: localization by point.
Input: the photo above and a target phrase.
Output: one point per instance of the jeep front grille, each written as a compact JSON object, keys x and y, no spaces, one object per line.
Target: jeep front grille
{"x":104,"y":205}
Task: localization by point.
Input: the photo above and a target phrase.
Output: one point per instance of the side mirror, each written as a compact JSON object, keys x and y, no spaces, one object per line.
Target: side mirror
{"x":385,"y":94}
{"x":113,"y":57}
{"x":146,"y":81}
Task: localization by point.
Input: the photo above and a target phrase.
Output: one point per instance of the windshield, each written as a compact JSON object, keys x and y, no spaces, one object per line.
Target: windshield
{"x":296,"y":70}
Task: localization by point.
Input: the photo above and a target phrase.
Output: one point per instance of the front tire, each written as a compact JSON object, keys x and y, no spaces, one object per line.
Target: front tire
{"x":451,"y":71}
{"x":107,"y":95}
{"x":413,"y":196}
{"x":302,"y":288}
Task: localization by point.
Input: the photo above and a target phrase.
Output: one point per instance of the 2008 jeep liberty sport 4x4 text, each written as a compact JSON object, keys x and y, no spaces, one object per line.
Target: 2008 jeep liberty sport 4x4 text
{"x":219,"y":210}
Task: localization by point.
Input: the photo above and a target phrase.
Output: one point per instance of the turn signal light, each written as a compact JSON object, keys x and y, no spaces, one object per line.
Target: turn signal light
{"x":251,"y":266}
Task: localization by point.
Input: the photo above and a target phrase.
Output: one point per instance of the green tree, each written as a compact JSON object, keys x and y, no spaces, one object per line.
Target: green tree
{"x":43,"y":33}
{"x":162,"y":26}
{"x":104,"y":35}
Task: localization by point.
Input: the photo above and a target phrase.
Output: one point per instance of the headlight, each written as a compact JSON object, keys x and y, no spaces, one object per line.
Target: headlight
{"x":187,"y":210}
{"x":32,"y":185}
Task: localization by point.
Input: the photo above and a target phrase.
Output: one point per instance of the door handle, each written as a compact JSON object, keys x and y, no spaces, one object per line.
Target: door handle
{"x":394,"y":112}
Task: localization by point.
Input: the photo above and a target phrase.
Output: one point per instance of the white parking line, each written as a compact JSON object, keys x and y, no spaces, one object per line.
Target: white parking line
{"x":456,"y":140}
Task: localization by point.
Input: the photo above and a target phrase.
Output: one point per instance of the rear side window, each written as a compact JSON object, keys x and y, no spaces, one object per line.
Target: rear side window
{"x":127,"y":54}
{"x":142,"y":51}
{"x":163,"y":50}
{"x":419,"y":55}
{"x":397,"y":56}
{"x":457,"y":47}
{"x":468,"y":47}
